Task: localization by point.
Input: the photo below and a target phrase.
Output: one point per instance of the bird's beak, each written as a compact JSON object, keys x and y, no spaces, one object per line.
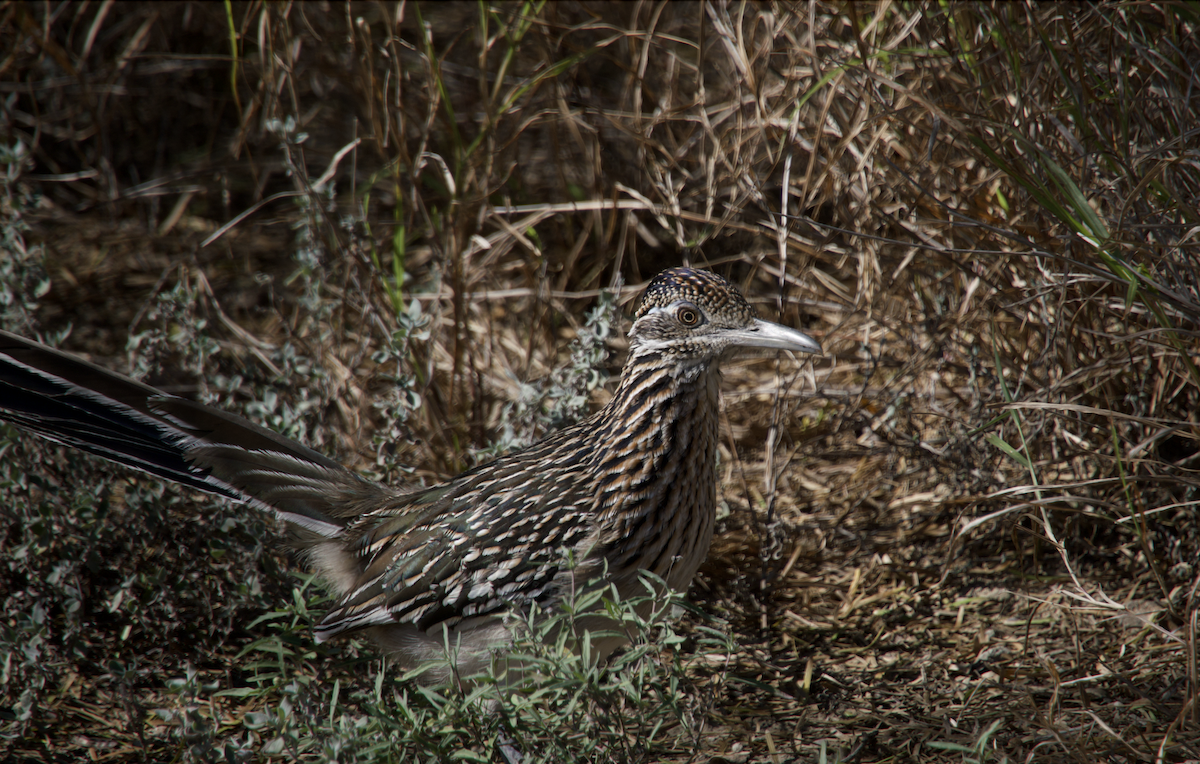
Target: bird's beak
{"x":769,"y":336}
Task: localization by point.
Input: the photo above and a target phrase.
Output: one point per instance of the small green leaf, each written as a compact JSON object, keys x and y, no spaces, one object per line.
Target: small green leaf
{"x":1013,"y":453}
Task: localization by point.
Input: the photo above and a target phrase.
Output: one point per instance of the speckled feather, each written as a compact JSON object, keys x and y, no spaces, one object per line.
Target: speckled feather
{"x":631,"y":488}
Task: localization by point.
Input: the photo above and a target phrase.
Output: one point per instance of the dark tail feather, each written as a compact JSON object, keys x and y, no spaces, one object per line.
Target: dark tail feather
{"x":80,"y":404}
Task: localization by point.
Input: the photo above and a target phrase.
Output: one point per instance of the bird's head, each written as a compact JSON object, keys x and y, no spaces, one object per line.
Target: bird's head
{"x":695,"y":317}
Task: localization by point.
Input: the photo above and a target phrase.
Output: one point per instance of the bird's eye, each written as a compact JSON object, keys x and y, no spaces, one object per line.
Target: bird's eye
{"x":688,"y":316}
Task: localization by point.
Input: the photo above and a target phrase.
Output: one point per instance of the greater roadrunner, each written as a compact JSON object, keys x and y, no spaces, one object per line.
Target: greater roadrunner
{"x":631,"y":488}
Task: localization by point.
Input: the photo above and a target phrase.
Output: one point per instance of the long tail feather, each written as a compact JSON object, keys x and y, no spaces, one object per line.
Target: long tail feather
{"x":80,"y":404}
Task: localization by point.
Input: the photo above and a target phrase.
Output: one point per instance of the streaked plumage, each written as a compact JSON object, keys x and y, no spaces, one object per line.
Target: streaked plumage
{"x":630,"y":488}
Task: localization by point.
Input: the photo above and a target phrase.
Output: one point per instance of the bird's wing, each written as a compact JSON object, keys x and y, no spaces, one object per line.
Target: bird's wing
{"x":494,"y":537}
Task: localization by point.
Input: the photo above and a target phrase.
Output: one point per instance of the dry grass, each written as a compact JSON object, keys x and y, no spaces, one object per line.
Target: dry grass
{"x":971,"y":523}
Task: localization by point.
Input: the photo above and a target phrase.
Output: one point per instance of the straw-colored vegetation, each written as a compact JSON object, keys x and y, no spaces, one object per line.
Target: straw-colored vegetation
{"x":968,"y":532}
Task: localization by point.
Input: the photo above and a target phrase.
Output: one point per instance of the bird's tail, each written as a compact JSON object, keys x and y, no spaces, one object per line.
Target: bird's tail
{"x":77,"y":403}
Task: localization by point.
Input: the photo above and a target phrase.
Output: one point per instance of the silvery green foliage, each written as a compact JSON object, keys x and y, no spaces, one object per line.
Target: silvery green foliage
{"x":563,"y":399}
{"x":315,"y":206}
{"x":395,"y":362}
{"x":23,"y":279}
{"x":175,"y":325}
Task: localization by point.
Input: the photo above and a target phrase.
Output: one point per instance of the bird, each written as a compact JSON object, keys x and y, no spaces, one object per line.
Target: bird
{"x":433,"y":574}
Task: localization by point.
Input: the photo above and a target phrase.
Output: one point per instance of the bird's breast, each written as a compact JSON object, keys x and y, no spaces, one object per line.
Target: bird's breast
{"x":657,"y":490}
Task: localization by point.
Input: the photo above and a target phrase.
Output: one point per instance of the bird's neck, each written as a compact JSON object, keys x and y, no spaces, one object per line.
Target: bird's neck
{"x":654,"y":389}
{"x":657,"y":467}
